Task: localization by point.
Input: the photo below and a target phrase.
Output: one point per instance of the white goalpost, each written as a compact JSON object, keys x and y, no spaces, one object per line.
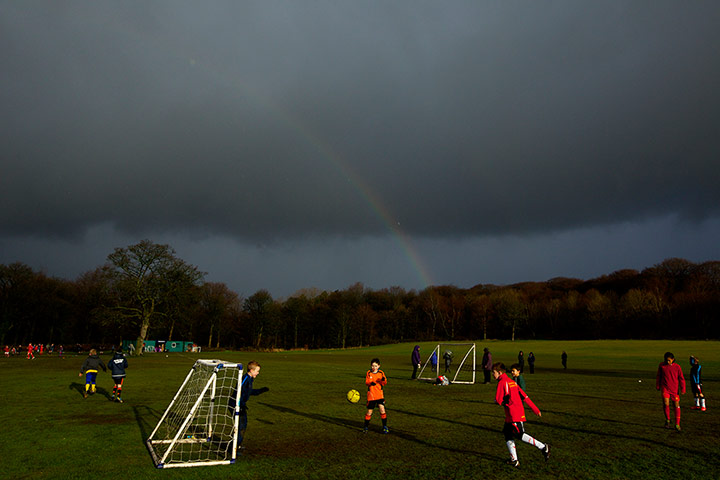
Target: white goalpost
{"x":456,"y":361}
{"x":199,"y":427}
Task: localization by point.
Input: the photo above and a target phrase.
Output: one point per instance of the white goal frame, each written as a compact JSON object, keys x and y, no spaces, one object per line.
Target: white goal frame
{"x":466,"y":364}
{"x":180,"y":430}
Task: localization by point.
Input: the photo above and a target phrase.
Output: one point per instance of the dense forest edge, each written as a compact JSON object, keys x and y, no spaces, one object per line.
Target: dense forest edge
{"x":145,"y":292}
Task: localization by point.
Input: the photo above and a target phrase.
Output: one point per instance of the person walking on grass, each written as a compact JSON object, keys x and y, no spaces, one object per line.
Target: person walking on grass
{"x":671,"y":383}
{"x":375,"y":380}
{"x":511,"y":397}
{"x":563,"y":359}
{"x":117,"y":366}
{"x":696,"y":384}
{"x":90,"y":370}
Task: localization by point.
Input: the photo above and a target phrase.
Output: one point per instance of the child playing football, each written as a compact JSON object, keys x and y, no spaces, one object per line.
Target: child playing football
{"x":90,"y":370}
{"x":516,"y":372}
{"x":671,"y":383}
{"x":696,"y":384}
{"x":375,"y":380}
{"x":511,"y":397}
{"x":117,"y":366}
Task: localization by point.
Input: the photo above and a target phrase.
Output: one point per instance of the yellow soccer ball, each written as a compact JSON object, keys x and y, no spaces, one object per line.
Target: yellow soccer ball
{"x":353,"y":396}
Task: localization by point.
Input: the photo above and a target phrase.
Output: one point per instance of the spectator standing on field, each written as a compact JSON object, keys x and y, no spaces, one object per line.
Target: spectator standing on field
{"x":415,"y":360}
{"x":486,"y":365}
{"x":117,"y":366}
{"x":447,"y":356}
{"x":90,"y":370}
{"x":434,"y":361}
{"x":671,"y":383}
{"x":531,"y":362}
{"x":511,"y":397}
{"x":521,"y":361}
{"x":696,"y":384}
{"x":563,"y":359}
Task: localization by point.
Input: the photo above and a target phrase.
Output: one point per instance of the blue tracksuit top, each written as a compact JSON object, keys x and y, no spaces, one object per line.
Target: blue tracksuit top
{"x":117,"y":365}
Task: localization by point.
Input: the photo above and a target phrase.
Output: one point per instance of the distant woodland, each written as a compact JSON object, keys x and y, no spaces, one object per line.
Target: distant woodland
{"x":145,"y":292}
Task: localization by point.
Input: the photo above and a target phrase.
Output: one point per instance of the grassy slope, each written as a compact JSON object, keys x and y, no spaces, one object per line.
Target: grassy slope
{"x":600,"y":421}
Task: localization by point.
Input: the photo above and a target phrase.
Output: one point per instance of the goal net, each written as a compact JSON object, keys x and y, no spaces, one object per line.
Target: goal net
{"x":200,"y":424}
{"x":456,"y":361}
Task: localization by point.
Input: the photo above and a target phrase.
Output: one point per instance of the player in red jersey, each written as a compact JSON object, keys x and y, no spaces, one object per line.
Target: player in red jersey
{"x":511,"y":397}
{"x":375,"y":380}
{"x":671,"y":382}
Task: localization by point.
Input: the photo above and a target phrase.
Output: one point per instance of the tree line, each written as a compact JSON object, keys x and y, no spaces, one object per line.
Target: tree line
{"x":145,"y":292}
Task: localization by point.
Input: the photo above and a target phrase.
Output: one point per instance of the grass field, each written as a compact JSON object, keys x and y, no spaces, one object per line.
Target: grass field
{"x":599,"y":419}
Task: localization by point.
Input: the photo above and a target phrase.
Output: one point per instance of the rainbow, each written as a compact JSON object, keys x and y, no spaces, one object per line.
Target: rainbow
{"x":263,"y":102}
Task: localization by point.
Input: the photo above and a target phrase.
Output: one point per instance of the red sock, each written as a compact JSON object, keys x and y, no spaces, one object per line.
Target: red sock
{"x":667,"y":412}
{"x":677,"y":415}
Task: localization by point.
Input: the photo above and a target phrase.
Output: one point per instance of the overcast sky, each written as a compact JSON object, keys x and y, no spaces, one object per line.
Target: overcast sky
{"x":283,"y":145}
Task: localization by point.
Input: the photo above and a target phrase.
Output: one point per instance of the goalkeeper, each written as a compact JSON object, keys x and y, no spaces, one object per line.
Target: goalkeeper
{"x":246,"y":389}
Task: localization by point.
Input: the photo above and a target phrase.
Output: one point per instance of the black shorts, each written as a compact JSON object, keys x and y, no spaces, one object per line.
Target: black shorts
{"x":374,"y":403}
{"x":696,"y":388}
{"x":513,"y":431}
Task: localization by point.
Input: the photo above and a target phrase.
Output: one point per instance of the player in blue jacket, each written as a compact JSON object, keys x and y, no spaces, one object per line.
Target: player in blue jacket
{"x":246,"y":390}
{"x":117,"y":366}
{"x":696,"y":384}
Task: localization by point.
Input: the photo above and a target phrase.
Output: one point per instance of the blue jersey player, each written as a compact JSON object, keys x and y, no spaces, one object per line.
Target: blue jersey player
{"x":696,"y":384}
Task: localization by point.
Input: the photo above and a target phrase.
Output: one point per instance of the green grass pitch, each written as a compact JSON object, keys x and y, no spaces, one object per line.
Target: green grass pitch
{"x":602,"y":417}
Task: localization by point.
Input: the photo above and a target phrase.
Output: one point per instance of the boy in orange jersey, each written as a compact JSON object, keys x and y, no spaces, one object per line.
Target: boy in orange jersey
{"x":375,"y":380}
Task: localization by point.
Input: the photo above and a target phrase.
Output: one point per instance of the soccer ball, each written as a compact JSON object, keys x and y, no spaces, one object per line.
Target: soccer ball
{"x":353,"y":396}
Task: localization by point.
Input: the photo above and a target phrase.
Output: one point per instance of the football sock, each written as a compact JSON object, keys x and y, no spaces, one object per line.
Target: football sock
{"x":367,"y":420}
{"x":697,"y":401}
{"x":532,"y":441}
{"x":87,"y":387}
{"x":666,"y":408}
{"x":511,"y":448}
{"x":677,"y":415}
{"x":702,"y":403}
{"x":384,"y":419}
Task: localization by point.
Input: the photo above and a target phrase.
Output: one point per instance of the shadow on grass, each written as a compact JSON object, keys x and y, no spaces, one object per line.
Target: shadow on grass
{"x":142,"y":412}
{"x":593,"y":397}
{"x":80,"y":388}
{"x":357,"y":425}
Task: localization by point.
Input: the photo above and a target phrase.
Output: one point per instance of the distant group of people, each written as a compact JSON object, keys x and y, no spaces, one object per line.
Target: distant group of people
{"x":32,"y":349}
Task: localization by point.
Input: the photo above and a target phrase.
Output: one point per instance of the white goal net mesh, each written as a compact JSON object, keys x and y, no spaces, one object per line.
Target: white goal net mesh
{"x":199,"y":426}
{"x":456,"y":361}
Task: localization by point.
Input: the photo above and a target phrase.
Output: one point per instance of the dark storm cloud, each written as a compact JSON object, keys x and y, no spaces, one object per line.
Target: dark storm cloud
{"x":275,"y":119}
